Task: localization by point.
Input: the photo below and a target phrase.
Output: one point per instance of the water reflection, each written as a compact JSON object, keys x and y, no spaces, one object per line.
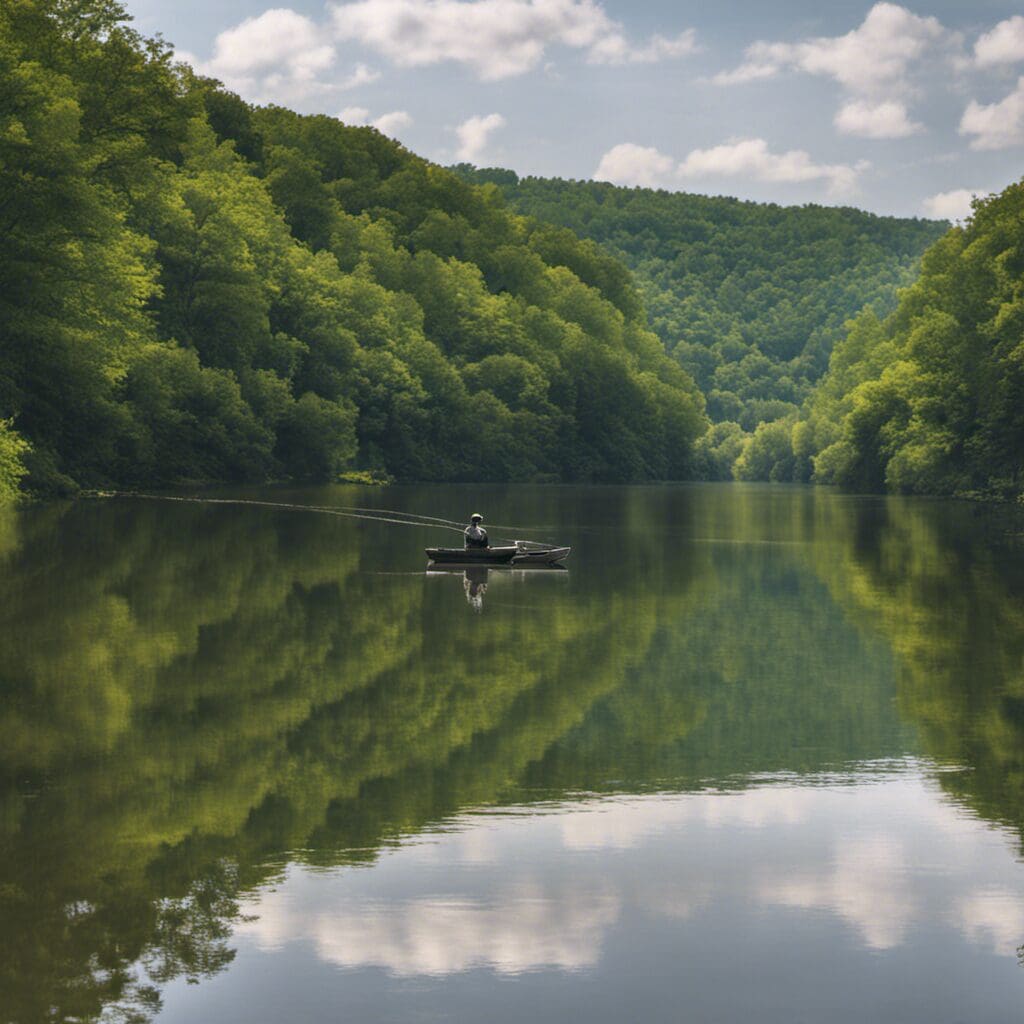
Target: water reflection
{"x":476,"y":579}
{"x":201,"y":703}
{"x":888,"y":863}
{"x":474,"y":583}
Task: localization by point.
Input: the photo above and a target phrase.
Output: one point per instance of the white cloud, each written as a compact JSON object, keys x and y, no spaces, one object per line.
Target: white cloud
{"x":393,"y":122}
{"x":753,"y":159}
{"x":996,"y":125}
{"x":474,"y":133}
{"x":388,"y":124}
{"x":749,"y":71}
{"x":276,"y":56}
{"x":629,"y":164}
{"x":645,"y":166}
{"x":885,"y":120}
{"x":496,"y":38}
{"x":952,"y":205}
{"x":875,"y":57}
{"x":616,"y":49}
{"x":1002,"y":45}
{"x":354,"y":115}
{"x":188,"y":57}
{"x":361,"y":75}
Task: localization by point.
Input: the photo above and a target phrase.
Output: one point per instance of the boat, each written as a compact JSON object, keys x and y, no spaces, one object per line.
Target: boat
{"x":539,"y":556}
{"x":473,"y":556}
{"x":520,"y":555}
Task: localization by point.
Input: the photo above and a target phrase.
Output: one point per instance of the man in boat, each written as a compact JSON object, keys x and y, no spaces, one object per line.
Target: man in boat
{"x":475,"y":535}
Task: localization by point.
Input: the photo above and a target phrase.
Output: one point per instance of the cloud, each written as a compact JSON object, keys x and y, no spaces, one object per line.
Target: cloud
{"x":749,"y":71}
{"x":188,"y":57}
{"x":474,"y":133}
{"x":645,"y":166}
{"x":885,"y":120}
{"x":1002,"y":45}
{"x":496,"y":38}
{"x":616,"y":49}
{"x":996,"y":125}
{"x":361,"y":75}
{"x":753,"y":159}
{"x":278,"y":55}
{"x":393,"y":122}
{"x":354,"y":115}
{"x":388,"y":124}
{"x":873,"y":58}
{"x":629,"y":164}
{"x":952,"y":205}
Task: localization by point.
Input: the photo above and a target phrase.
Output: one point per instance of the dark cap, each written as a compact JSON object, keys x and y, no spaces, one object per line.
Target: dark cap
{"x":476,"y":516}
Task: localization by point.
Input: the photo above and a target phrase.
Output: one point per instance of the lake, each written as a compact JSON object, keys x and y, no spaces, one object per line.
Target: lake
{"x":758,"y":754}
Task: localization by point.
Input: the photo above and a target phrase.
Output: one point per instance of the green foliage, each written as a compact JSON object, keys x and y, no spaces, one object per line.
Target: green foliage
{"x":192,"y":289}
{"x":767,"y":454}
{"x":930,"y":400}
{"x":190,"y":422}
{"x":12,"y":466}
{"x":749,"y":298}
{"x":716,"y":451}
{"x":74,"y":276}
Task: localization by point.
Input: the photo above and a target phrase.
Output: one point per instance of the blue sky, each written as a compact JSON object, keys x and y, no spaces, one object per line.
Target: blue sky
{"x":897,"y":109}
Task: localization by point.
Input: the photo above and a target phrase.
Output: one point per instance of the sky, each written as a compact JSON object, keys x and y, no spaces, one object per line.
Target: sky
{"x":906,"y":110}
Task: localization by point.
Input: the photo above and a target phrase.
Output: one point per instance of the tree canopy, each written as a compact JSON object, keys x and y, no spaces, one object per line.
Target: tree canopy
{"x":931,"y":399}
{"x":192,"y":289}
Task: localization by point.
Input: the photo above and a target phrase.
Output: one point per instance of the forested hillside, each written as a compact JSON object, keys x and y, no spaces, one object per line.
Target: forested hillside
{"x":931,"y":399}
{"x":195,"y":290}
{"x":829,"y":349}
{"x":749,"y":297}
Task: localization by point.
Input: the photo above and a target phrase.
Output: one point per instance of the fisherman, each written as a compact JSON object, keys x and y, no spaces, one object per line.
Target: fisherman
{"x":474,"y":534}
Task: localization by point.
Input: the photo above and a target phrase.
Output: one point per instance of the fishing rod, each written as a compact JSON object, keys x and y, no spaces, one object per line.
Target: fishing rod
{"x":415,"y":515}
{"x":344,"y":511}
{"x":288,"y":506}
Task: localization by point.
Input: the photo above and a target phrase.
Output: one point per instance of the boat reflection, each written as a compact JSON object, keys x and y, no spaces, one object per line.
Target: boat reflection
{"x":475,"y":578}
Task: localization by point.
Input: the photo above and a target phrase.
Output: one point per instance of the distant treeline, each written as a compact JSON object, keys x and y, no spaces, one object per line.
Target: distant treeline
{"x":195,"y":290}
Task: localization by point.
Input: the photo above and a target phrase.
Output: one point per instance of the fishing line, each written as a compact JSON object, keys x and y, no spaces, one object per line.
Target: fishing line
{"x":276,"y":504}
{"x":430,"y":519}
{"x":344,"y":511}
{"x":395,"y":512}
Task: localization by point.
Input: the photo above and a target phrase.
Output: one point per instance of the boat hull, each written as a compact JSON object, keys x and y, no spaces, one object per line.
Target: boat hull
{"x":472,"y":556}
{"x":546,"y":556}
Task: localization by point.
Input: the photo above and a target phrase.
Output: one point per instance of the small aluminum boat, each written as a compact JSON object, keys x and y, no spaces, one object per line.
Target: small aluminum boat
{"x":473,"y":556}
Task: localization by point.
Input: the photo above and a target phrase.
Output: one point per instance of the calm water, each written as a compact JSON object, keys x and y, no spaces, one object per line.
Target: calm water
{"x":758,"y":755}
